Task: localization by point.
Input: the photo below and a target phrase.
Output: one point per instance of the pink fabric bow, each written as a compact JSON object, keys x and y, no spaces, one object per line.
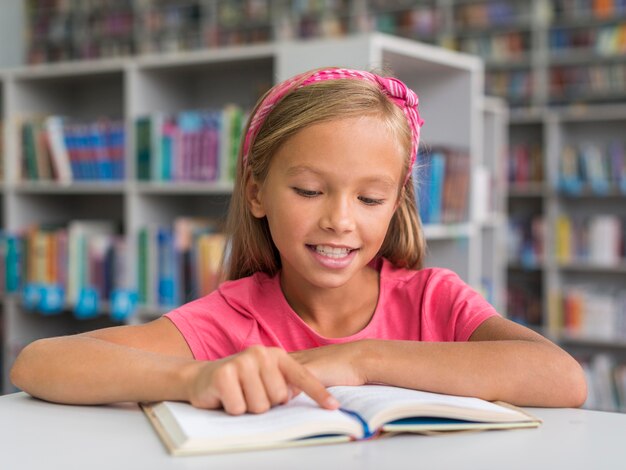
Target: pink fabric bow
{"x":398,"y":93}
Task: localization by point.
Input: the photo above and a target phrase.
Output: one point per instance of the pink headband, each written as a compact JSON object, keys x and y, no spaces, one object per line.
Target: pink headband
{"x":398,"y":93}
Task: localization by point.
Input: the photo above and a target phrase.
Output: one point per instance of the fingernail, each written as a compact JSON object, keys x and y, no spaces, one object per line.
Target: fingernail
{"x":331,"y":402}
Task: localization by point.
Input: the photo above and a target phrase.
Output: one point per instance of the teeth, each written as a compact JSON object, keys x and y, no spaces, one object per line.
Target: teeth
{"x":332,"y":252}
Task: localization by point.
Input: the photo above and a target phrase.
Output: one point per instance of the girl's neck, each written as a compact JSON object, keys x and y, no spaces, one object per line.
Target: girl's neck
{"x":337,"y":312}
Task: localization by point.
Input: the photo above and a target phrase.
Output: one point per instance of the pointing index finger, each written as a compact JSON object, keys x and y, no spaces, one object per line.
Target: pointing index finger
{"x":296,"y":374}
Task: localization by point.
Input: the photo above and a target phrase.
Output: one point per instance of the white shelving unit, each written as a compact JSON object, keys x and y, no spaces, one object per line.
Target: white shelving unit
{"x":550,"y":277}
{"x":449,"y":84}
{"x":490,"y":190}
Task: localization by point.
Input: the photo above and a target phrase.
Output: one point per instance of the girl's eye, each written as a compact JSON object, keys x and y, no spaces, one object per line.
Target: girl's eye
{"x":371,"y":202}
{"x":306,"y":192}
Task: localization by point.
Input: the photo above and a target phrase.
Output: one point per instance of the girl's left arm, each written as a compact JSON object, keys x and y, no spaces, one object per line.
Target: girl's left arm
{"x":501,"y":361}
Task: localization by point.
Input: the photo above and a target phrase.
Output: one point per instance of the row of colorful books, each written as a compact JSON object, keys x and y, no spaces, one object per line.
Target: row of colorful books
{"x":84,"y":263}
{"x":525,"y":163}
{"x":190,"y":145}
{"x":62,"y":30}
{"x":577,"y":83}
{"x":405,"y":19}
{"x":598,"y":239}
{"x":442,"y":185}
{"x":178,"y":263}
{"x":587,"y":311}
{"x":508,"y":46}
{"x":526,"y":240}
{"x":606,"y":40}
{"x":67,"y":262}
{"x":55,"y":148}
{"x":607,"y":382}
{"x":514,"y":85}
{"x":309,"y":19}
{"x":600,"y":168}
{"x":491,"y":14}
{"x":577,"y":9}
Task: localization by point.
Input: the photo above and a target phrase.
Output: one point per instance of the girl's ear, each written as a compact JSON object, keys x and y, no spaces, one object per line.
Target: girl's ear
{"x":253,"y":197}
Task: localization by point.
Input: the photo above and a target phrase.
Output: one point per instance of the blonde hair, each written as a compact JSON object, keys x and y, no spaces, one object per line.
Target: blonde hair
{"x":251,"y":246}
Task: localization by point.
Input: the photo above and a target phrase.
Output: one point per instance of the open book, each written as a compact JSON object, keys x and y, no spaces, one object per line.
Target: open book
{"x":365,"y":412}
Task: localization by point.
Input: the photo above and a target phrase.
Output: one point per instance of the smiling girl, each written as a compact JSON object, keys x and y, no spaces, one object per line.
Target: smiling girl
{"x":325,"y":281}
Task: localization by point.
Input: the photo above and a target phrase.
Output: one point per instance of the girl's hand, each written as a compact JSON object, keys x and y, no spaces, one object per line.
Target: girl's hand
{"x":337,"y":364}
{"x":253,"y":381}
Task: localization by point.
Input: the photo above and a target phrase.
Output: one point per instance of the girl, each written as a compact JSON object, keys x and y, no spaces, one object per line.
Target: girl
{"x":326,"y":285}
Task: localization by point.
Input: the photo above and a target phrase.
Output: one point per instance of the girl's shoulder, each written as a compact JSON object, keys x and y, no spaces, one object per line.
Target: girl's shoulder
{"x":424,"y":276}
{"x":248,"y":293}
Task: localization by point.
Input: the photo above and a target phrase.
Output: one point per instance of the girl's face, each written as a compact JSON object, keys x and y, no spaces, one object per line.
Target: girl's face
{"x":329,"y":196}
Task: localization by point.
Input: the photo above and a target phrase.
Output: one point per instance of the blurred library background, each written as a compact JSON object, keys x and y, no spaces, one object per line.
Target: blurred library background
{"x":120,"y":125}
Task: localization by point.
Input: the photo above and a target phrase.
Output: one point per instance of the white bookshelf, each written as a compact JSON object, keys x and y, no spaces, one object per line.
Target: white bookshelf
{"x":490,"y":208}
{"x":554,"y":128}
{"x":449,"y":84}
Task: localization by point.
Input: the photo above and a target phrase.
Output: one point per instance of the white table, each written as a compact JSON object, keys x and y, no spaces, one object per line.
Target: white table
{"x":39,"y":435}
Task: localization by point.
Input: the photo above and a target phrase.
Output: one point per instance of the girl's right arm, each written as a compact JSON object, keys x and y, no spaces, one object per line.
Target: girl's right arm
{"x":152,"y":362}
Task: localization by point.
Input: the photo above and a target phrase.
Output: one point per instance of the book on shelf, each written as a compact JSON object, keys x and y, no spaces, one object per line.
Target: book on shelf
{"x":490,"y":15}
{"x":189,"y":146}
{"x":592,"y":312}
{"x":402,"y":18}
{"x":178,"y":263}
{"x":525,"y":163}
{"x":514,"y":85}
{"x":577,"y":9}
{"x":594,"y":167}
{"x":523,"y":302}
{"x":576,"y":83}
{"x":366,"y":412}
{"x":66,"y":259}
{"x":526,"y":239}
{"x":54,"y":148}
{"x":442,"y":186}
{"x":596,"y":240}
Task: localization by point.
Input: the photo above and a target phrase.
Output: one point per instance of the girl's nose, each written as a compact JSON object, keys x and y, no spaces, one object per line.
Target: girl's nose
{"x":338,"y":215}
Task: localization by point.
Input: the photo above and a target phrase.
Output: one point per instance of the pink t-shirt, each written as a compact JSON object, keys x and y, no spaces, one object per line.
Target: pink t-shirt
{"x":431,"y":304}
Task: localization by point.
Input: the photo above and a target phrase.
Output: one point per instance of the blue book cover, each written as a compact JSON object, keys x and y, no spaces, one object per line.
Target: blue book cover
{"x":101,"y":163}
{"x":13,"y":266}
{"x":166,"y":267}
{"x":72,"y":149}
{"x":437,"y":176}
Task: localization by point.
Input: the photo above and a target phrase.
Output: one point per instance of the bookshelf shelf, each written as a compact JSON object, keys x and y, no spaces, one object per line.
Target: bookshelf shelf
{"x":606,"y":343}
{"x":587,"y":193}
{"x":449,"y":85}
{"x":522,"y":267}
{"x":184,"y":188}
{"x":447,"y":231}
{"x":69,"y":69}
{"x":528,"y":190}
{"x":590,"y":267}
{"x":523,"y":61}
{"x":586,"y":19}
{"x":515,"y":26}
{"x":44,"y":188}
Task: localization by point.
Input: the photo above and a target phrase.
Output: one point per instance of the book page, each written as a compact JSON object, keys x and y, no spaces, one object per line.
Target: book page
{"x":299,"y":418}
{"x":378,"y":404}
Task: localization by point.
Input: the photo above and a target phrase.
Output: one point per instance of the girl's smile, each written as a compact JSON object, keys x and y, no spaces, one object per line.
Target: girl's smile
{"x":333,"y":257}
